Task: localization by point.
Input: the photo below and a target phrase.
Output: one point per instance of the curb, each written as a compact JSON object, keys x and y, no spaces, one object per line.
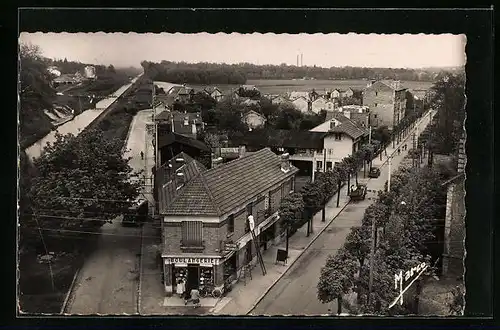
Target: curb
{"x":70,"y":291}
{"x":125,"y":142}
{"x":316,"y":236}
{"x":298,"y":256}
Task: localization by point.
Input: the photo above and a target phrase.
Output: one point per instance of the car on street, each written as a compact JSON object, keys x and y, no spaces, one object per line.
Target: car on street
{"x":374,"y":172}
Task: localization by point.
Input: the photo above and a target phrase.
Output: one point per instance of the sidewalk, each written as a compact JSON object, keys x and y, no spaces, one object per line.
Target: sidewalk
{"x":245,"y":296}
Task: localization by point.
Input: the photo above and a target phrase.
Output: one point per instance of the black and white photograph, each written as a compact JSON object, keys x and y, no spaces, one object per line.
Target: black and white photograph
{"x":241,"y":174}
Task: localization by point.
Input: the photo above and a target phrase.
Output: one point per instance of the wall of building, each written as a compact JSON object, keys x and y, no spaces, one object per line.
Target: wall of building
{"x":338,"y":150}
{"x":454,"y":231}
{"x":301,"y":104}
{"x":380,"y":99}
{"x":318,"y":105}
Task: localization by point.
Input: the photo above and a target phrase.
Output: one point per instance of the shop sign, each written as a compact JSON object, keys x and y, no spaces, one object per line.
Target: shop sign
{"x":399,"y":280}
{"x":201,"y":260}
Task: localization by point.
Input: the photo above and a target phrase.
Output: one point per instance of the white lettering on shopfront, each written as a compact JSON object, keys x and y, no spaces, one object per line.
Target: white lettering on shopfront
{"x":206,"y":261}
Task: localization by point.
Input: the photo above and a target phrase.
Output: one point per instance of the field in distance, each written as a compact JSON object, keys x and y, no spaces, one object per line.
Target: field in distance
{"x":288,"y":85}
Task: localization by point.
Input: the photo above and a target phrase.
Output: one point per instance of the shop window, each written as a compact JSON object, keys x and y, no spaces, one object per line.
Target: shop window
{"x":319,"y":165}
{"x":192,"y":233}
{"x":230,"y":224}
{"x":328,"y":166}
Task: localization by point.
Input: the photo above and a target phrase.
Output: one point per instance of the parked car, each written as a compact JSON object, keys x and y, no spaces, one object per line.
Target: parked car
{"x":374,"y":172}
{"x":358,"y":192}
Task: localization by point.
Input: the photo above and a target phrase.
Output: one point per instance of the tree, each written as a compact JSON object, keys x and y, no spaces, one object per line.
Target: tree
{"x":448,"y":97}
{"x":357,"y":243}
{"x":313,"y":196}
{"x":290,"y":212}
{"x":383,"y":135}
{"x":336,"y":278}
{"x":82,"y":182}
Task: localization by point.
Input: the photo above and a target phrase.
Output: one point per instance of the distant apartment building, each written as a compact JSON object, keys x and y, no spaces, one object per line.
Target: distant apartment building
{"x":205,"y":216}
{"x":387,"y":102}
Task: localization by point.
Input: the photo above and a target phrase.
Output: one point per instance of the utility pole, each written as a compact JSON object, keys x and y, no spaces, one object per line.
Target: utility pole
{"x":389,"y":175}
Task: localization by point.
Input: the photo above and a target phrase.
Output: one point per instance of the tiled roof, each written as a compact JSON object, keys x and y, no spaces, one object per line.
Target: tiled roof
{"x":222,"y":189}
{"x":169,"y":138}
{"x":165,"y":177}
{"x":347,"y":126}
{"x":211,"y":89}
{"x":350,"y":129}
{"x":280,"y":139}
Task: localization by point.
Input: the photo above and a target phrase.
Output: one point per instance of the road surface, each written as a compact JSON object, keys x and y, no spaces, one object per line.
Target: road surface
{"x":296,"y":292}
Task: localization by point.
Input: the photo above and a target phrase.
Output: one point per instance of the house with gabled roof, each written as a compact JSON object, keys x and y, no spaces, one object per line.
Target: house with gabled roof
{"x":253,"y":119}
{"x":214,"y":92}
{"x":302,"y":104}
{"x":206,"y":237}
{"x":343,"y":137}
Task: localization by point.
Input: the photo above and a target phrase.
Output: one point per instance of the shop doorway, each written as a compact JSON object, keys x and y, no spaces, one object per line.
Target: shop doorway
{"x":193,"y":278}
{"x":266,"y":236}
{"x":248,"y":252}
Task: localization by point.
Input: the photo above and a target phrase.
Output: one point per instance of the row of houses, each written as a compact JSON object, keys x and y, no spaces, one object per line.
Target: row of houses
{"x":205,"y":213}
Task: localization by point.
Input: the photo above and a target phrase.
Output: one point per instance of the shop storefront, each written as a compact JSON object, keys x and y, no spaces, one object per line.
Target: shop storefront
{"x":267,"y":236}
{"x":194,"y":272}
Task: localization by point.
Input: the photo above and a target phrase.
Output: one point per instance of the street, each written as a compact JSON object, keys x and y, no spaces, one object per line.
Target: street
{"x":109,"y":281}
{"x":296,"y":292}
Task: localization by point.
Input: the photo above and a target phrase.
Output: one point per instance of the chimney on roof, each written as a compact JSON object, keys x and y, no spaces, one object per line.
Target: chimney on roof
{"x":285,"y":162}
{"x":242,"y":151}
{"x":217,"y":162}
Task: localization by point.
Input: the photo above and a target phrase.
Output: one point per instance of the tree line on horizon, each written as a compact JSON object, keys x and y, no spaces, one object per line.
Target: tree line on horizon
{"x":214,"y":73}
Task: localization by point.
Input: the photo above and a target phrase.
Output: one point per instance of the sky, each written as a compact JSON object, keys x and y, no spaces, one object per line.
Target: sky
{"x":324,"y":50}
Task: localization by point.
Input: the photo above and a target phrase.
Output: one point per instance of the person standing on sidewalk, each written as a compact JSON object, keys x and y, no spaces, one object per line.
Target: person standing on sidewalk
{"x":142,"y":155}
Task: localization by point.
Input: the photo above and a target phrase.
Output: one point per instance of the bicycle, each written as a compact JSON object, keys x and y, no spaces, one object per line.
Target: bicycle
{"x":210,"y":291}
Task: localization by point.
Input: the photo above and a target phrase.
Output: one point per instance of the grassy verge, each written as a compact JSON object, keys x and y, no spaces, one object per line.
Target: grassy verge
{"x":32,"y":127}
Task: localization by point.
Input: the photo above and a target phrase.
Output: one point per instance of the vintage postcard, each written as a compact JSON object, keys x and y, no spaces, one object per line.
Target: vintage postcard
{"x":241,"y":174}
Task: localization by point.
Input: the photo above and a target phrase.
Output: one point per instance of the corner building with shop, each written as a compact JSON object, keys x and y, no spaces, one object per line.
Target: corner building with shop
{"x":205,"y":229}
